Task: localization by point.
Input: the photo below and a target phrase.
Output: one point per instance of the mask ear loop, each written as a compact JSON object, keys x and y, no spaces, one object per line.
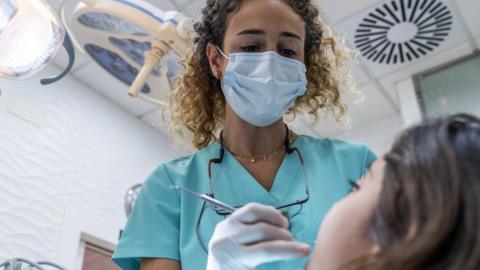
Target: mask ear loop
{"x":216,"y":74}
{"x":222,"y":53}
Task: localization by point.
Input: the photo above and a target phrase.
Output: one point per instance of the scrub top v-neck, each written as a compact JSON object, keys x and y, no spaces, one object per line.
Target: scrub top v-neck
{"x":163,"y":222}
{"x":231,"y":175}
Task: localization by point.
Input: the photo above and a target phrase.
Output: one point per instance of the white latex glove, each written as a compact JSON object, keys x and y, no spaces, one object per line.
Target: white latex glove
{"x":252,"y":235}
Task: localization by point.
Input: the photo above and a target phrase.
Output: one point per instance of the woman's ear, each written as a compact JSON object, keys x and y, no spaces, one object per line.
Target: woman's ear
{"x":215,"y":59}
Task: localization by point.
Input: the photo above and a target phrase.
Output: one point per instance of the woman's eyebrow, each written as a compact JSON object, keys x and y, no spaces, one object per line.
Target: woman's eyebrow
{"x":251,"y":32}
{"x":261,"y":32}
{"x":291,"y":35}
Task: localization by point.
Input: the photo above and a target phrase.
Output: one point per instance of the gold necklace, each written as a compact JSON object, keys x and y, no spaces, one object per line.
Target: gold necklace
{"x":263,"y":157}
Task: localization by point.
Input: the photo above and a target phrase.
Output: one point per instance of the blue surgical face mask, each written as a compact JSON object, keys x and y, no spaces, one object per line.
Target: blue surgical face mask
{"x":261,"y":87}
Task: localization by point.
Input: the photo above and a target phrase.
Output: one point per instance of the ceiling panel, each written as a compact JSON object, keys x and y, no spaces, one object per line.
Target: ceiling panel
{"x":194,"y":9}
{"x":358,"y":73}
{"x":55,"y":4}
{"x":373,"y":108}
{"x":469,"y":10}
{"x":338,"y":10}
{"x":183,"y":2}
{"x":397,"y":34}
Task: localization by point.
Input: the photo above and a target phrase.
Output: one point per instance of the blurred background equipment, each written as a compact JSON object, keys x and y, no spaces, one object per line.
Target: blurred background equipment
{"x":131,"y":197}
{"x":137,"y":43}
{"x":22,"y":264}
{"x":30,"y":36}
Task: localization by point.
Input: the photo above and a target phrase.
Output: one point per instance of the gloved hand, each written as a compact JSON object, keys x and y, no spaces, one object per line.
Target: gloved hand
{"x":252,"y":235}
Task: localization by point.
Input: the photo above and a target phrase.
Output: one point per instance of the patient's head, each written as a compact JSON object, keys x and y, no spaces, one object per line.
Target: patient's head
{"x":417,"y":208}
{"x":428,"y":216}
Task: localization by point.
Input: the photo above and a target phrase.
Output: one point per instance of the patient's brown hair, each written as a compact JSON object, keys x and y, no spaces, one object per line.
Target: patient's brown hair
{"x":428,"y":215}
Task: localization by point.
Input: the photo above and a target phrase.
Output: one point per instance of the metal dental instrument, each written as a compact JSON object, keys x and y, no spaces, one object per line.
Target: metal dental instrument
{"x":214,"y":202}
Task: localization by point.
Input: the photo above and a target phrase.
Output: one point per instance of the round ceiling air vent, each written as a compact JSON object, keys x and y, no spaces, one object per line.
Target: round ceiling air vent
{"x":400,"y":31}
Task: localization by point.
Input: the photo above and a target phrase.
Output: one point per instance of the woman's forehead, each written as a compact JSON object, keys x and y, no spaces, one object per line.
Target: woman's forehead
{"x":270,"y":16}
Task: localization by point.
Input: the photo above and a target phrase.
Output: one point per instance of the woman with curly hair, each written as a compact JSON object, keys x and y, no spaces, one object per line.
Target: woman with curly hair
{"x":254,"y":61}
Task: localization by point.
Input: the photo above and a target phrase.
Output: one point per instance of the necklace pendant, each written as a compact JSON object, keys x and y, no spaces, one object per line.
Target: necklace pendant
{"x":253,"y":160}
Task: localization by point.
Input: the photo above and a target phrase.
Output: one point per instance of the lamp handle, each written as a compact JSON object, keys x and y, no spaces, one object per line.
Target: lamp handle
{"x":68,"y":45}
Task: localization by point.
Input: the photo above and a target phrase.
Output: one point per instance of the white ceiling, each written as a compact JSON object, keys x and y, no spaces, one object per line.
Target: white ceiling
{"x":378,"y":84}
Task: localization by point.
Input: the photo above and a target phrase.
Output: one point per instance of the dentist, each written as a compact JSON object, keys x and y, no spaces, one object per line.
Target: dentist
{"x":254,"y":61}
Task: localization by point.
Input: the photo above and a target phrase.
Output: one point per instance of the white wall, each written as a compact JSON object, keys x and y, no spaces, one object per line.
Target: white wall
{"x":378,"y":135}
{"x":408,"y":102}
{"x":67,"y":157}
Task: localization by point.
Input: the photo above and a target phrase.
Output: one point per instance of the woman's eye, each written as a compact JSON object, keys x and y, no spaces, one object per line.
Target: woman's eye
{"x":354,"y":185}
{"x":288,"y":53}
{"x":249,"y":48}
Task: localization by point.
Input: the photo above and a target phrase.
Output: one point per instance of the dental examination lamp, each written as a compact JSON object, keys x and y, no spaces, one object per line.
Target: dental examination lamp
{"x":129,"y":202}
{"x":30,"y":36}
{"x":22,"y":264}
{"x":131,"y":197}
{"x":137,"y":43}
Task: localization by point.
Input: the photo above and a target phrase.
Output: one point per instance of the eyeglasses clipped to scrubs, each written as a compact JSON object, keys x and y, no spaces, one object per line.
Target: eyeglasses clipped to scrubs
{"x":223,"y":209}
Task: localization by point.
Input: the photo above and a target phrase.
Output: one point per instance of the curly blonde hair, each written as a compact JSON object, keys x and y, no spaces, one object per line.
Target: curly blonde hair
{"x":197,"y":103}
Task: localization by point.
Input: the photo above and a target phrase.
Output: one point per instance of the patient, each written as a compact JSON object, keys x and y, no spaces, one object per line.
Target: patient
{"x":417,"y":208}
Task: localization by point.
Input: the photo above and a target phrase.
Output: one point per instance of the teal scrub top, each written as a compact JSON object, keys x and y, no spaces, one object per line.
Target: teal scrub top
{"x":163,"y":222}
